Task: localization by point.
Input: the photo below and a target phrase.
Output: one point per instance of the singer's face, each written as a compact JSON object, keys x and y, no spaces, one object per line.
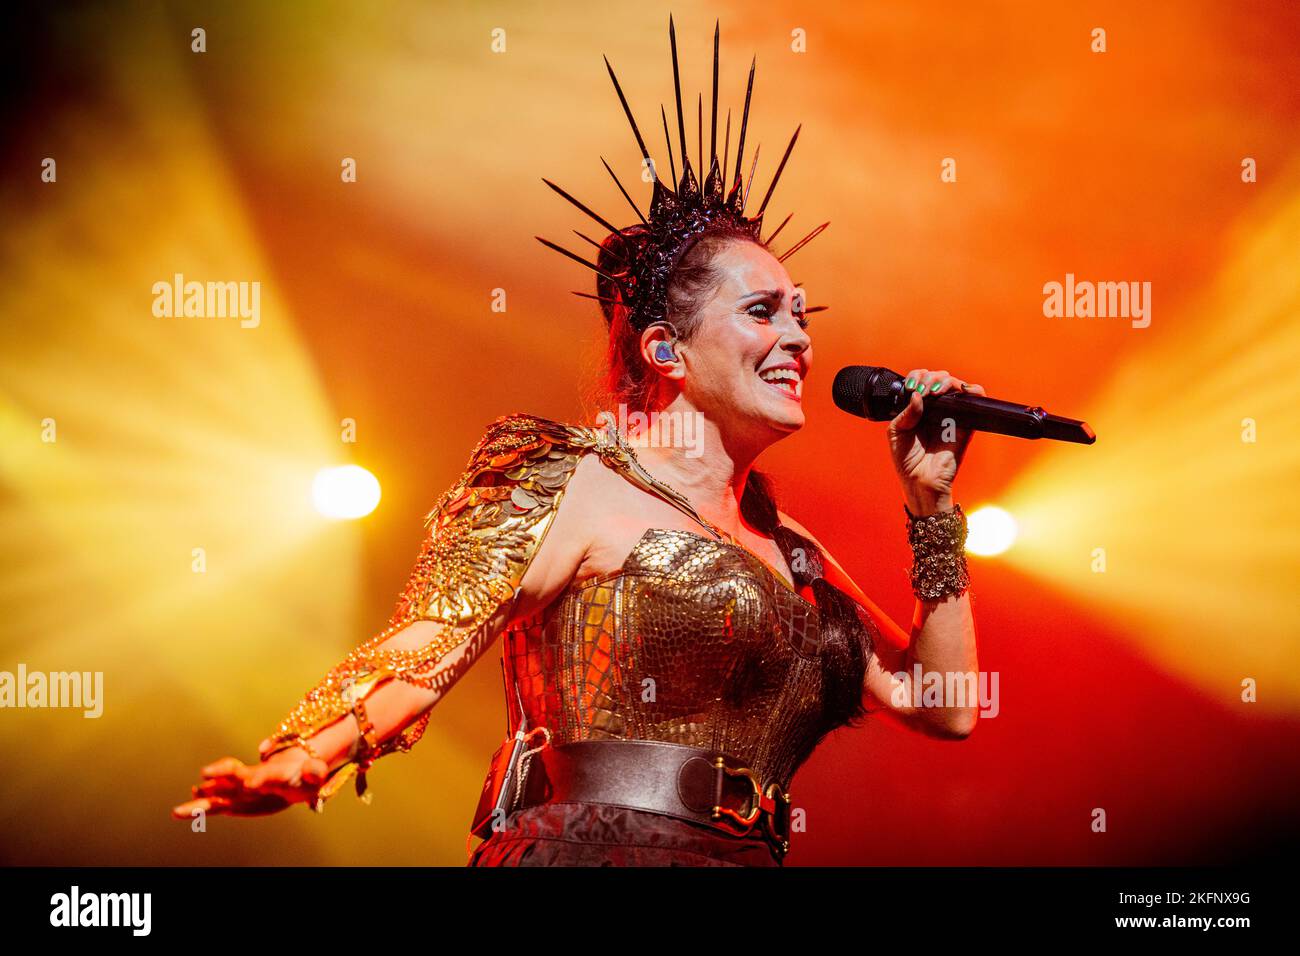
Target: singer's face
{"x":749,"y":355}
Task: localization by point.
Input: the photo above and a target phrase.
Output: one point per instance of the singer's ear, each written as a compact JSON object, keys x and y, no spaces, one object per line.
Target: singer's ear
{"x":669,"y":364}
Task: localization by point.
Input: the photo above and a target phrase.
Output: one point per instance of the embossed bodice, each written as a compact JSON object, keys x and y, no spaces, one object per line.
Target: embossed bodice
{"x":693,"y":641}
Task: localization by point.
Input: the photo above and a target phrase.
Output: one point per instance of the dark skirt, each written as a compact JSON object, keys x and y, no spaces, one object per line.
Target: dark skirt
{"x":591,"y":834}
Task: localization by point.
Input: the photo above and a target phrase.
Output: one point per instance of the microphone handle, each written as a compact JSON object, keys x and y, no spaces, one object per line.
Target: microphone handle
{"x":980,"y":413}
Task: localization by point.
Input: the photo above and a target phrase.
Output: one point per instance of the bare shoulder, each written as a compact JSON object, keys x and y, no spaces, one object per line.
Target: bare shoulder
{"x":589,"y":493}
{"x":567,"y":541}
{"x":594,"y":483}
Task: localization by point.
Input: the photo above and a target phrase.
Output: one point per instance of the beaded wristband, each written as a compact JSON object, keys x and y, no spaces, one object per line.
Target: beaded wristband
{"x":939,"y":554}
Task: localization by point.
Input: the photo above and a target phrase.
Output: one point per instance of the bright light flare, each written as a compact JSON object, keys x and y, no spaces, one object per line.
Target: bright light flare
{"x":345,"y":491}
{"x":990,"y":530}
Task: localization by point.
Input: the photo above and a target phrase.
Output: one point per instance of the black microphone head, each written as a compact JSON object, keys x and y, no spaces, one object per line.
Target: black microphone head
{"x":850,"y":389}
{"x":868,"y":391}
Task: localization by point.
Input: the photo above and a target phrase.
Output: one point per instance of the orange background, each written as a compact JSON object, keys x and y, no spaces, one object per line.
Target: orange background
{"x":1119,"y":690}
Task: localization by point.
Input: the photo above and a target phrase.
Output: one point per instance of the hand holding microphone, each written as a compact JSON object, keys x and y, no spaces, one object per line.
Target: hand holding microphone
{"x":927,"y":459}
{"x":931,"y":418}
{"x":879,"y":394}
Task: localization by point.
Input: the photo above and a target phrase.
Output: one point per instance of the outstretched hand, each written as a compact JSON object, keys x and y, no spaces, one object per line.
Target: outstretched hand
{"x":232,"y":787}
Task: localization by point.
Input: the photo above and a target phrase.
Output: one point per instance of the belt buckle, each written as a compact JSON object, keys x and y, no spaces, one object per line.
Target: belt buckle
{"x":748,"y":819}
{"x":777,"y":821}
{"x":771,"y":799}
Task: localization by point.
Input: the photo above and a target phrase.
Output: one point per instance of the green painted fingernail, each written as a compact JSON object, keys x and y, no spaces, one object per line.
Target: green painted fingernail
{"x":937,"y":386}
{"x":910,"y":383}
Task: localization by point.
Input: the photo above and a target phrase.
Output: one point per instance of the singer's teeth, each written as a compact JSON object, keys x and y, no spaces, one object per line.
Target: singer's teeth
{"x":786,"y":379}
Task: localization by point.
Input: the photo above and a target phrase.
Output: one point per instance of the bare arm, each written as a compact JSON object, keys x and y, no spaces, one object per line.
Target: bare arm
{"x":941,"y":640}
{"x":396,"y":704}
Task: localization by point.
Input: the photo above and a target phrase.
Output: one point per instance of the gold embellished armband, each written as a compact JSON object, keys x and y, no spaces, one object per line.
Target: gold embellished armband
{"x":938,"y":554}
{"x":481,"y":537}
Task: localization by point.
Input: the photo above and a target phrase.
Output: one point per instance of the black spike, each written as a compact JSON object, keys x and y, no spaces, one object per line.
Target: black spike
{"x":768,"y":240}
{"x":699,"y":126}
{"x":634,"y":206}
{"x":726,"y":146}
{"x":645,"y":154}
{"x":713,"y":123}
{"x":744,"y":122}
{"x":677,"y":88}
{"x":672,"y":167}
{"x":803,"y":242}
{"x":599,"y":298}
{"x":609,"y":252}
{"x":604,"y":222}
{"x":779,"y":168}
{"x":577,"y":258}
{"x":749,"y":184}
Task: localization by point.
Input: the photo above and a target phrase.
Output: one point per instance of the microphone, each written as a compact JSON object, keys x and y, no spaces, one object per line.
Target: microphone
{"x":877,"y":394}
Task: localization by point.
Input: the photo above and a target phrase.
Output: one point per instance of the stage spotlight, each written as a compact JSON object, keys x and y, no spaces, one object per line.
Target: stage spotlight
{"x":345,"y":491}
{"x":990,"y":531}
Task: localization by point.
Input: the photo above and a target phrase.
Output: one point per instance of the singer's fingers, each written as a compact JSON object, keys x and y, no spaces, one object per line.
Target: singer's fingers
{"x":935,"y":382}
{"x":225,"y":768}
{"x":314,"y":772}
{"x":188,"y":809}
{"x":910,"y":416}
{"x":217,"y":787}
{"x":954,"y":384}
{"x":944,"y":384}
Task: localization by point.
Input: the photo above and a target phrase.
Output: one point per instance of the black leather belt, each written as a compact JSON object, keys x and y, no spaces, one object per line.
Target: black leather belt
{"x":690,"y":783}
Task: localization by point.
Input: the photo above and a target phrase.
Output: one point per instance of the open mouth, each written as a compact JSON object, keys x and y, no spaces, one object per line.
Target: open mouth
{"x":784,"y":380}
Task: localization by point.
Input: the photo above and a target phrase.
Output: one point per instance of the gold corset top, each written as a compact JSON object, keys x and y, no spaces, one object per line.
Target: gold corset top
{"x":692,"y":641}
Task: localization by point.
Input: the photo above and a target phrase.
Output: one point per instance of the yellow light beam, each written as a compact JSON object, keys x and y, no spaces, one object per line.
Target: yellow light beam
{"x":1182,"y":520}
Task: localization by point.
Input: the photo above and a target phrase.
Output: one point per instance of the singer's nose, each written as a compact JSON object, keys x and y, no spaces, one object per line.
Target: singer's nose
{"x":797,"y":341}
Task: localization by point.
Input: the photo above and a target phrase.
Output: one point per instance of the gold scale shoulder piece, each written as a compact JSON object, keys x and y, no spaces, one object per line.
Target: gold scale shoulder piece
{"x":481,"y":537}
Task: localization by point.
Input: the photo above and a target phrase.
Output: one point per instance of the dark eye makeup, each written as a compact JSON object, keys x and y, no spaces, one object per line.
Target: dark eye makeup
{"x":766,"y":313}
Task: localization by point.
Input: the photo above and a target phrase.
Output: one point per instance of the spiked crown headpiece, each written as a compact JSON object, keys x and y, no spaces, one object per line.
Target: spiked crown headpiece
{"x":637,"y":262}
